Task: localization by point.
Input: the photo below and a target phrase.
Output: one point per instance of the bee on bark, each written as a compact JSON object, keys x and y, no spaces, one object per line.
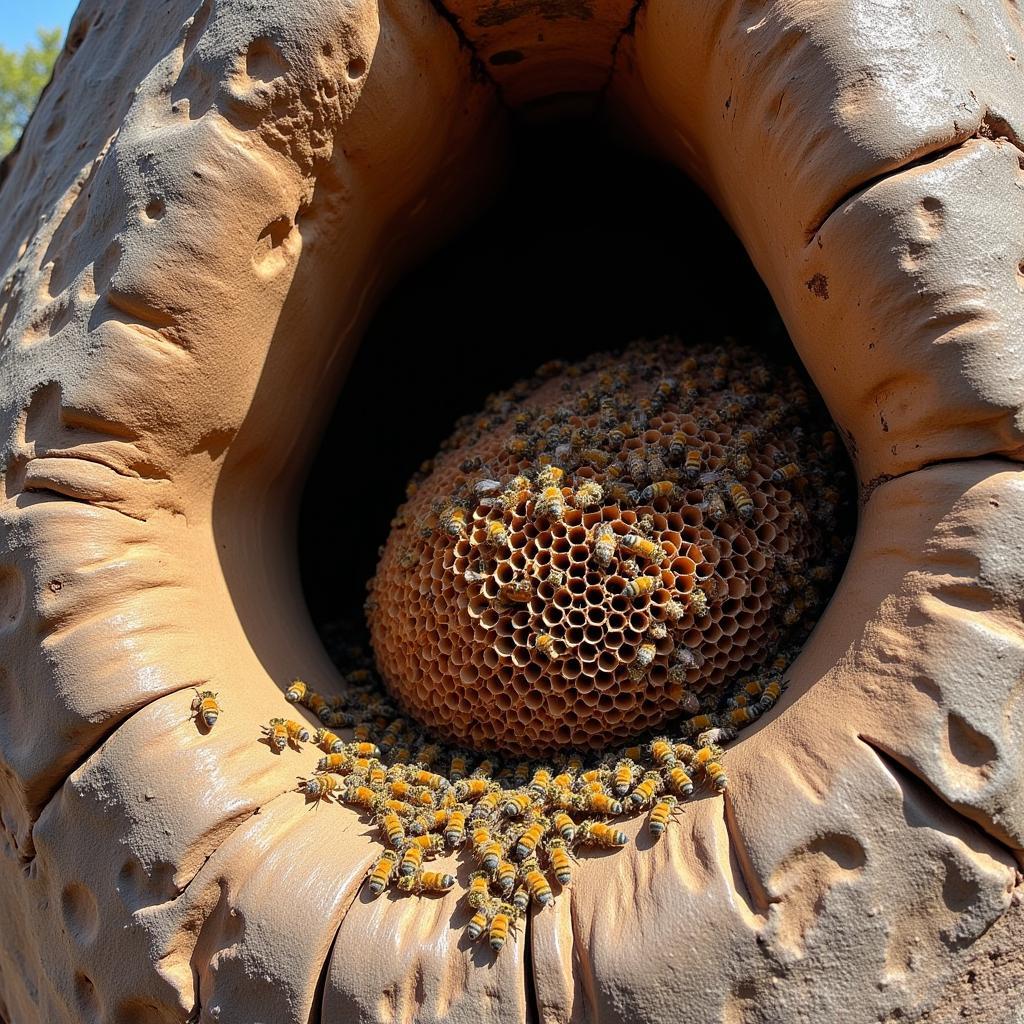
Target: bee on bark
{"x":661,"y":814}
{"x":596,"y":833}
{"x":205,"y":708}
{"x":382,"y":871}
{"x":536,"y":883}
{"x":282,"y":731}
{"x":501,"y":923}
{"x":296,"y":693}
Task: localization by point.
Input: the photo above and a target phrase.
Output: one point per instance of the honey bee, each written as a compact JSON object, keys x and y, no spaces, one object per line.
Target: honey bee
{"x":739,"y":717}
{"x":412,"y":859}
{"x":636,"y":466}
{"x":604,"y":543}
{"x":518,"y":491}
{"x":741,"y":499}
{"x":528,"y":840}
{"x":478,"y":894}
{"x":297,"y":692}
{"x":706,"y":759}
{"x":421,"y":777}
{"x":660,"y":489}
{"x":622,"y":776}
{"x":334,"y":763}
{"x":205,"y":707}
{"x":283,"y":731}
{"x":503,"y":919}
{"x":661,"y":814}
{"x":458,"y":768}
{"x":357,"y":794}
{"x":328,"y":742}
{"x":320,"y":787}
{"x":680,"y":781}
{"x":596,"y":833}
{"x":637,"y":545}
{"x":546,"y":644}
{"x":794,"y":611}
{"x":425,"y":881}
{"x":392,"y":827}
{"x":550,"y":476}
{"x":714,"y":505}
{"x":517,"y":805}
{"x":455,"y":828}
{"x":663,"y":753}
{"x":536,"y":883}
{"x":695,"y":725}
{"x":645,"y":792}
{"x":453,"y":521}
{"x":382,"y":871}
{"x":490,"y":855}
{"x":786,"y":473}
{"x":539,"y":783}
{"x":644,"y":656}
{"x":771,"y":694}
{"x":588,"y":494}
{"x":520,"y":447}
{"x":497,"y":535}
{"x":550,"y":504}
{"x":505,"y":877}
{"x":595,"y":457}
{"x":388,"y":805}
{"x":488,"y":803}
{"x":480,"y":920}
{"x":698,"y":602}
{"x":640,"y":586}
{"x":521,"y":900}
{"x":603,"y":803}
{"x":564,"y":826}
{"x":693,"y":463}
{"x":558,"y":858}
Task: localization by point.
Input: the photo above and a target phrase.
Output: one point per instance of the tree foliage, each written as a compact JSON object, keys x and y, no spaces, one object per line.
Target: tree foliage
{"x":22,"y":77}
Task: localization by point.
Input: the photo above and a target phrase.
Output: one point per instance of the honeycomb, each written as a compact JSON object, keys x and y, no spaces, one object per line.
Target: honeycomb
{"x":607,"y":546}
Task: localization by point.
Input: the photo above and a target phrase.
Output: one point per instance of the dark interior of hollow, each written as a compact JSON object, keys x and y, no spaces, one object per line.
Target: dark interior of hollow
{"x":587,"y":246}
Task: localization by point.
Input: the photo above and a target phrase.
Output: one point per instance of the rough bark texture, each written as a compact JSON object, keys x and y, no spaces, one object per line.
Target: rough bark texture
{"x":195,"y":227}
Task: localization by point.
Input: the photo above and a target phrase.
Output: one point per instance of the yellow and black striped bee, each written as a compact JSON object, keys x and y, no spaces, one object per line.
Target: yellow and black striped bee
{"x":528,"y":840}
{"x":558,"y":858}
{"x":481,"y":919}
{"x":596,"y":833}
{"x":453,"y":521}
{"x":645,"y":791}
{"x":564,"y":826}
{"x":640,"y":586}
{"x":680,"y":781}
{"x":503,"y":920}
{"x":660,"y":815}
{"x":637,"y":545}
{"x":588,"y":494}
{"x":660,"y":489}
{"x":455,"y":827}
{"x":741,"y":500}
{"x":706,"y":760}
{"x":329,"y":742}
{"x":497,"y":535}
{"x":622,"y":776}
{"x":516,"y":804}
{"x":663,"y":753}
{"x":535,"y":882}
{"x":391,"y":826}
{"x":282,"y":731}
{"x":297,"y":692}
{"x":505,"y":877}
{"x":205,"y":708}
{"x":769,"y":696}
{"x":358,"y":795}
{"x":790,"y":471}
{"x":320,"y":787}
{"x":382,"y":871}
{"x":692,"y":465}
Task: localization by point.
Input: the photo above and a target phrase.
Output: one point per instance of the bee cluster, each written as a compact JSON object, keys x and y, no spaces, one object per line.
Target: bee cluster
{"x":606,"y":546}
{"x":613,"y":566}
{"x":517,"y":825}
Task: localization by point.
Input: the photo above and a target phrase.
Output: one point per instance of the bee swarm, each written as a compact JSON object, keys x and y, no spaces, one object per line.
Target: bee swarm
{"x":630,"y":546}
{"x":606,"y":546}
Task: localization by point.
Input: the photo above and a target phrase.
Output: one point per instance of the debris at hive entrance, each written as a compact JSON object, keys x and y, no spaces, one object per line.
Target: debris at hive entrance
{"x":632,"y":546}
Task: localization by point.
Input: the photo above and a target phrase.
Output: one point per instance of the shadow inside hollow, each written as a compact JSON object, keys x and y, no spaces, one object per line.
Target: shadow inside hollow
{"x":588,"y":247}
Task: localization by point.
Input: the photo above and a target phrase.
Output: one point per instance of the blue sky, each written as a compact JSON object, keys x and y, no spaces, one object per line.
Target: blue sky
{"x":20,"y":18}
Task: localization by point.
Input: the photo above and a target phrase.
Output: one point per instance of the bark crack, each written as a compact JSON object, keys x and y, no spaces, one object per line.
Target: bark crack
{"x":627,"y":30}
{"x":478,"y":69}
{"x":992,"y":127}
{"x":883,"y":478}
